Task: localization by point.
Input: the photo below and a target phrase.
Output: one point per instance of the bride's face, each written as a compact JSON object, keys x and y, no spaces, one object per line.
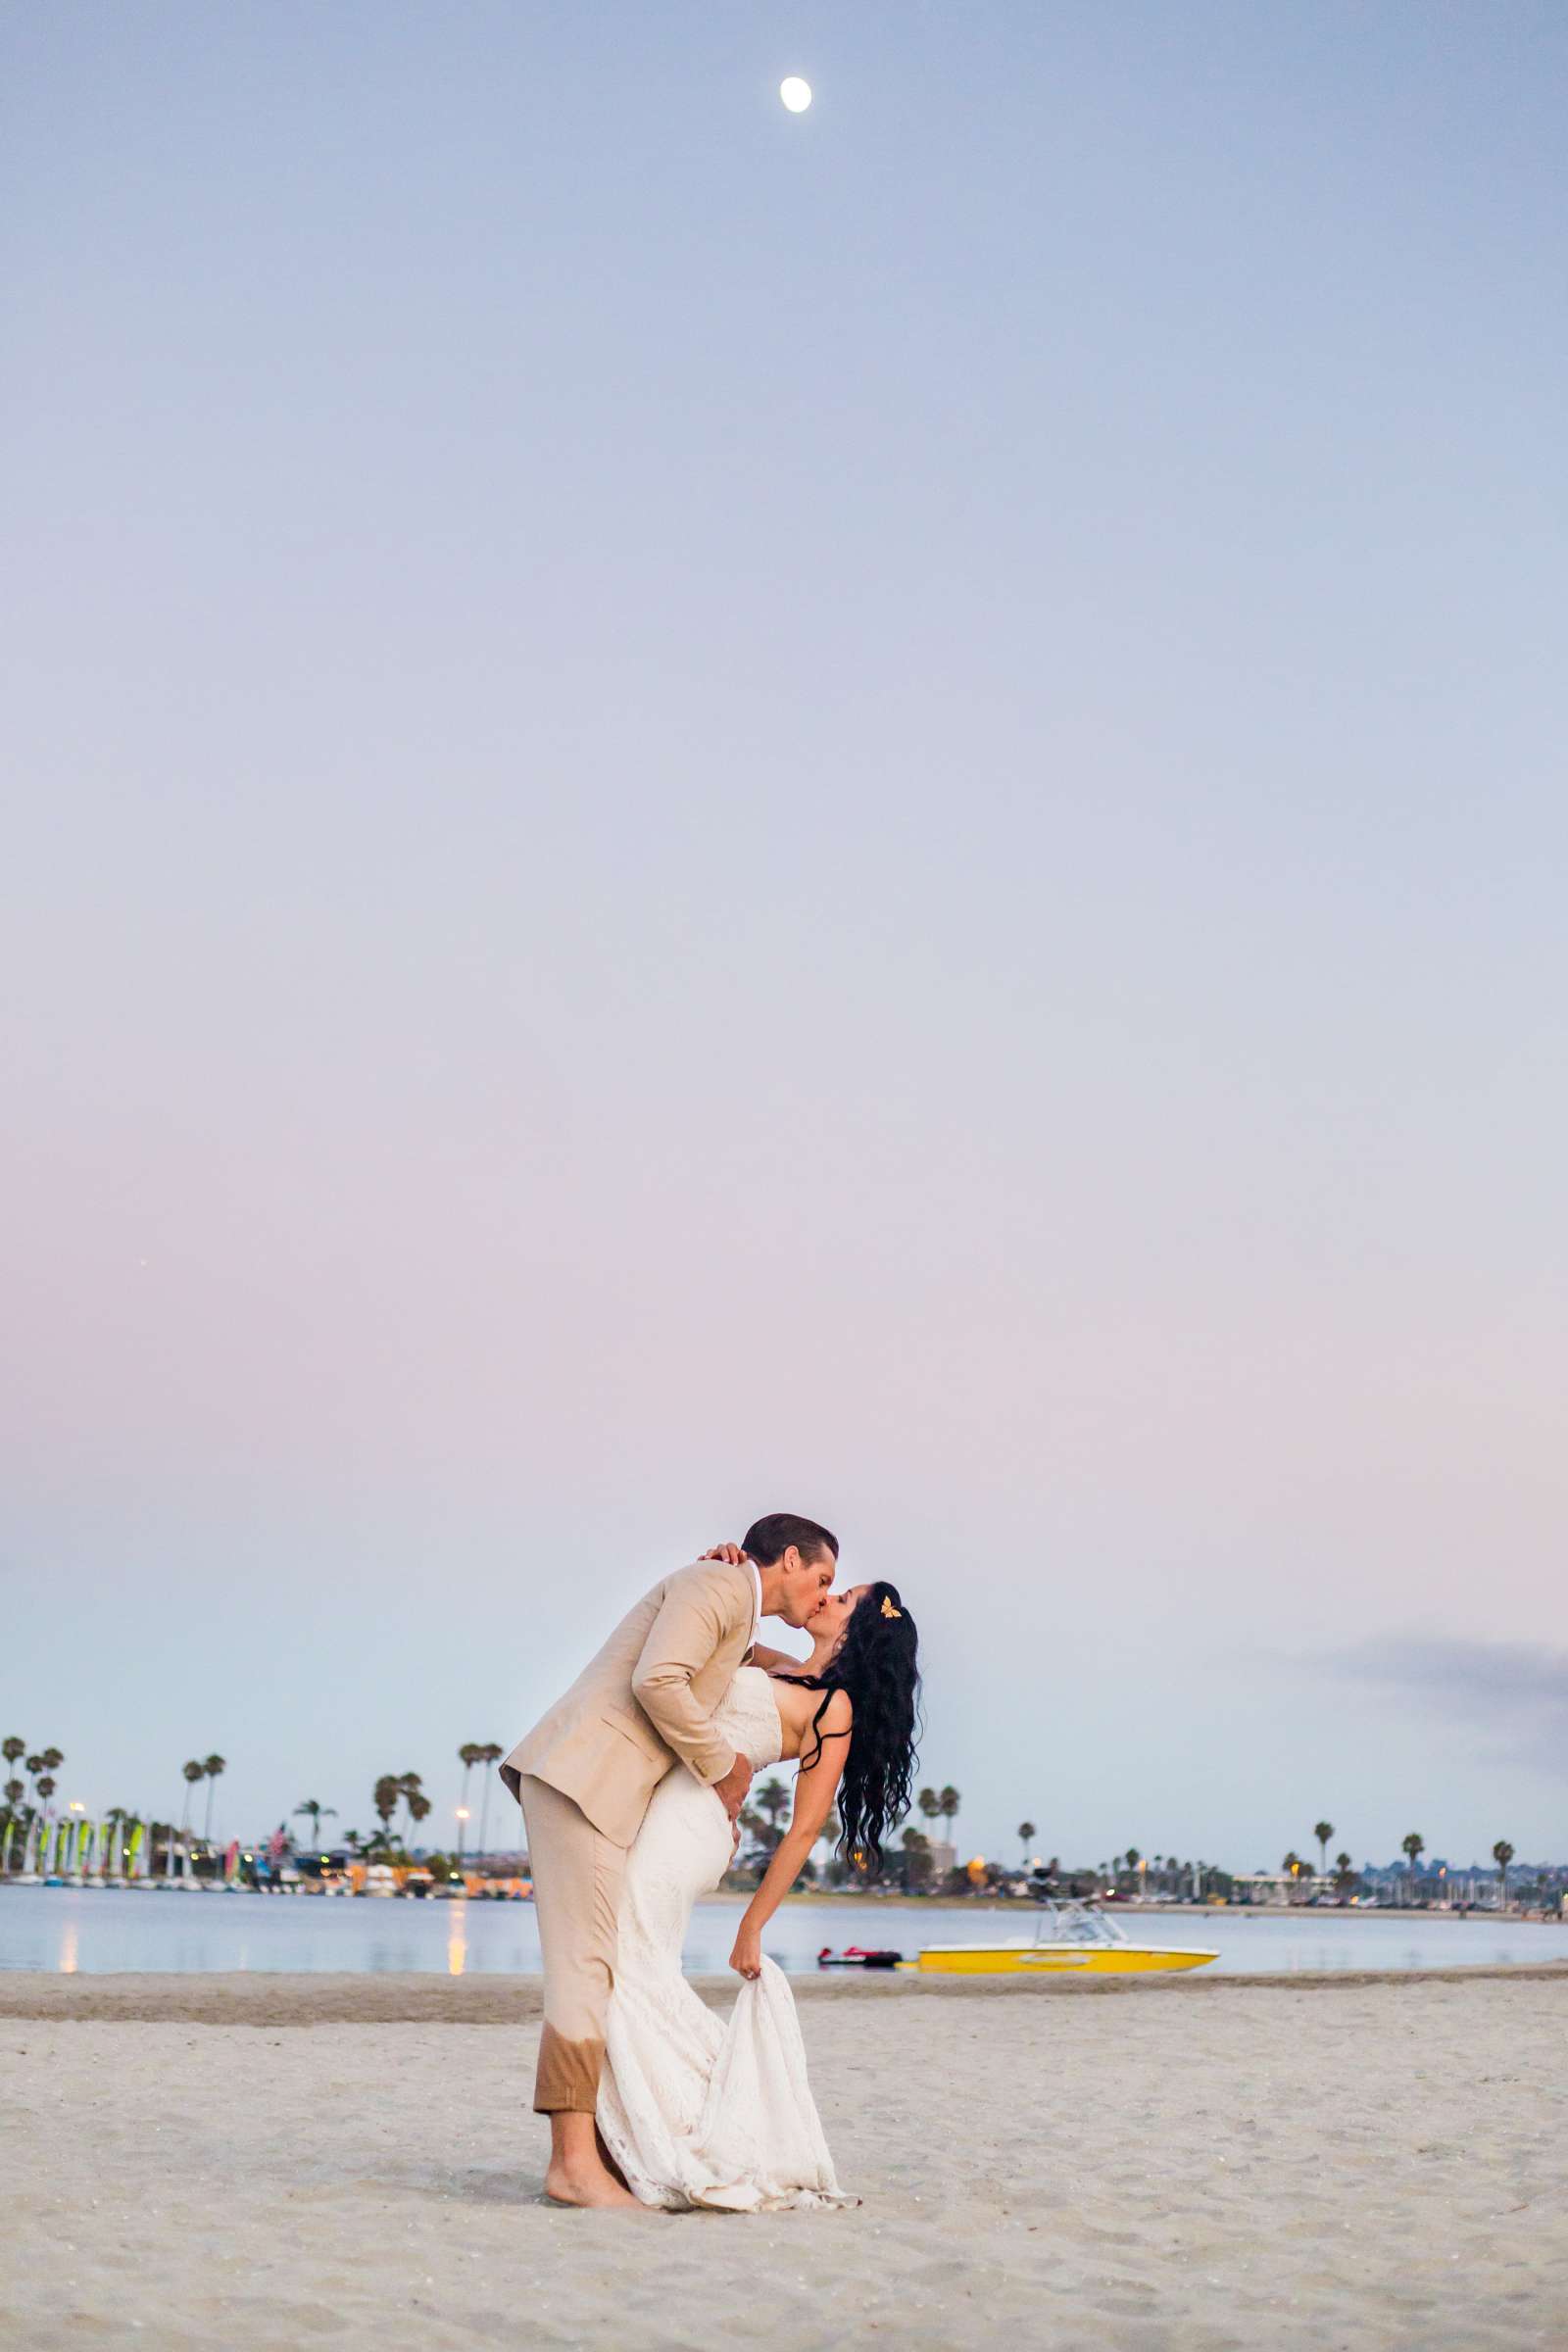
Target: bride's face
{"x":832,"y":1613}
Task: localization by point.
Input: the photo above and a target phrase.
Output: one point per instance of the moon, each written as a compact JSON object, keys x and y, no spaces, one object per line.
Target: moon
{"x":796,"y":93}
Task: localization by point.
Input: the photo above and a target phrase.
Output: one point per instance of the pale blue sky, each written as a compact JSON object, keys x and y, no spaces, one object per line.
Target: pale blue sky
{"x":712,"y":812}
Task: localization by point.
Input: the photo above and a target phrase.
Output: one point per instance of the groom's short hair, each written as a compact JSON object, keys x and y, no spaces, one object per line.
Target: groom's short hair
{"x":769,"y":1538}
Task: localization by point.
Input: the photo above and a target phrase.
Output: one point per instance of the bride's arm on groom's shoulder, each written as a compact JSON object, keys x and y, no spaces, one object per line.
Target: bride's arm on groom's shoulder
{"x":816,"y":1786}
{"x":775,"y":1661}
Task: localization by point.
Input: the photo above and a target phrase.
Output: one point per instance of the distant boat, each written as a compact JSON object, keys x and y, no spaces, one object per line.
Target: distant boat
{"x":1070,"y":1939}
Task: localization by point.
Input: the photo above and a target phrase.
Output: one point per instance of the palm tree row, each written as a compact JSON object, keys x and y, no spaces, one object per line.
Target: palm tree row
{"x":391,"y":1790}
{"x":1414,"y":1846}
{"x":760,"y":1819}
{"x":40,"y":1770}
{"x":940,"y":1805}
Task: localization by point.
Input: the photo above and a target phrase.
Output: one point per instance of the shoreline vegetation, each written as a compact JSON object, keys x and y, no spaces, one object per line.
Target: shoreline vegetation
{"x":69,"y":1845}
{"x":992,"y":1903}
{"x":827,"y":1898}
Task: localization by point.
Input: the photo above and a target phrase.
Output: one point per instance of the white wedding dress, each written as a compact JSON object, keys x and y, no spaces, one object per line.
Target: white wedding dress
{"x":697,"y":2109}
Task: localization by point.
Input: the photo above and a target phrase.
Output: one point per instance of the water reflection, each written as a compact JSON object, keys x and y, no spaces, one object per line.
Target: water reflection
{"x":121,"y":1929}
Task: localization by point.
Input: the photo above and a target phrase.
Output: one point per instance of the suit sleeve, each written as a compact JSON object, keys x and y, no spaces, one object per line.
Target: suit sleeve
{"x":700,"y":1611}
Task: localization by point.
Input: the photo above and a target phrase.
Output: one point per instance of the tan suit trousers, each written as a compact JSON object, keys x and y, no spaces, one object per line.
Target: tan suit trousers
{"x":576,"y":1895}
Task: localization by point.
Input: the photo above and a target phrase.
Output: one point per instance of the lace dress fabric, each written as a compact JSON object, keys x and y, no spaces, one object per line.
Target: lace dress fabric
{"x":697,"y":2109}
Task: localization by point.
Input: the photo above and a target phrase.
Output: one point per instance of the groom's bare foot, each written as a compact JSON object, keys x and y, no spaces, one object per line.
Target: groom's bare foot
{"x":588,"y":2184}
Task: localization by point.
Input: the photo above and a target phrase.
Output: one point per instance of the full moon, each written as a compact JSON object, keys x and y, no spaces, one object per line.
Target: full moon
{"x":796,"y":93}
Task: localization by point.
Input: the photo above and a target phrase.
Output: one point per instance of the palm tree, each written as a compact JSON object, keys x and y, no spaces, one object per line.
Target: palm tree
{"x":1344,"y":1872}
{"x":410,"y":1789}
{"x":13,"y":1750}
{"x":930,"y":1805}
{"x":212,"y":1766}
{"x":1292,"y":1867}
{"x":1503,"y":1856}
{"x":947,"y":1805}
{"x":753,"y":1824}
{"x":318,"y":1813}
{"x":43,"y":1767}
{"x":194,"y":1772}
{"x":771,"y":1799}
{"x":52,"y":1761}
{"x":491,"y":1752}
{"x":1414,"y":1844}
{"x":1027,"y":1834}
{"x":468,"y":1755}
{"x":385,"y":1800}
{"x":1323,"y":1831}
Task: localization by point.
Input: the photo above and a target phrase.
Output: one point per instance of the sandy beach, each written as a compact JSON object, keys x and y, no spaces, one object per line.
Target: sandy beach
{"x":268,"y":2162}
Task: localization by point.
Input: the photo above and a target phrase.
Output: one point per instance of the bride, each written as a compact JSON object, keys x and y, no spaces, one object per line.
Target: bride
{"x":700,"y":2110}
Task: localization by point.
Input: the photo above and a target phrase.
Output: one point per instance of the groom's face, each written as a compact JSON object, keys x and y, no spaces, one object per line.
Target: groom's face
{"x":804,"y":1583}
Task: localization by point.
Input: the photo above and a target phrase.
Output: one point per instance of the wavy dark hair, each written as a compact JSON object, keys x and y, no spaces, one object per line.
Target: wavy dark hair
{"x":876,"y":1665}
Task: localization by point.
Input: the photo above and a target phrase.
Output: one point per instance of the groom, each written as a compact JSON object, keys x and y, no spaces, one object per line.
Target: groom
{"x":583,"y":1777}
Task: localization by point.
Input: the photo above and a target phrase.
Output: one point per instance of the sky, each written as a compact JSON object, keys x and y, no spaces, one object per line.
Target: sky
{"x":712,"y":812}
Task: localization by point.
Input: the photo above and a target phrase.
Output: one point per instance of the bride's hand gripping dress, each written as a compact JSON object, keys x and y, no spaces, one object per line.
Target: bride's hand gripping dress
{"x":697,"y":2109}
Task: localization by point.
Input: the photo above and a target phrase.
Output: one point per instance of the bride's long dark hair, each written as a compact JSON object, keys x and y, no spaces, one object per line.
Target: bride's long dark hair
{"x":876,"y":1666}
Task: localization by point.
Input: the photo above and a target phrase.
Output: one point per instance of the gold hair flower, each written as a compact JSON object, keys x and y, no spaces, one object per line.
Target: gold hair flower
{"x":888,"y":1610}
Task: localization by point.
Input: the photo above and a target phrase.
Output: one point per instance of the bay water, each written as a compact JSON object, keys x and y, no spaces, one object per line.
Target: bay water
{"x":104,"y":1930}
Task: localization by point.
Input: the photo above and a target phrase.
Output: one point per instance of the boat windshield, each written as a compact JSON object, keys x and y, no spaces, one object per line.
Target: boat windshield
{"x":1075,"y":1923}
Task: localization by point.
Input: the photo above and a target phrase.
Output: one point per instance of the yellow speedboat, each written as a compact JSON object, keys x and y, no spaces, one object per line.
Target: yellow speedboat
{"x":1070,"y":1939}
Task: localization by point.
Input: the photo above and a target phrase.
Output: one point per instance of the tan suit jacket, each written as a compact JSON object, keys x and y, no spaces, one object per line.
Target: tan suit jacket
{"x":646,"y":1701}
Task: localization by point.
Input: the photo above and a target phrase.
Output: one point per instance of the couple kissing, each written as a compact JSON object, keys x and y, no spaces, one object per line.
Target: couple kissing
{"x":631,"y":1786}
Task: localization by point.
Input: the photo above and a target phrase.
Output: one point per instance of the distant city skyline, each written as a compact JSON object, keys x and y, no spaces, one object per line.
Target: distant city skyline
{"x":715,"y":810}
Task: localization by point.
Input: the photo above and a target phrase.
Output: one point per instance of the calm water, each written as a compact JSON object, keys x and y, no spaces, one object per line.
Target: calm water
{"x":62,"y":1928}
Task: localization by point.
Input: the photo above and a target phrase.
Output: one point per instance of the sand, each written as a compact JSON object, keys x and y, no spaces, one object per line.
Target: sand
{"x":1271,"y":2164}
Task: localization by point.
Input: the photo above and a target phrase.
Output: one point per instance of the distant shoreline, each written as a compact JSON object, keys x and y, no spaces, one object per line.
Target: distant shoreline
{"x":828,"y":1900}
{"x":1024,"y":1905}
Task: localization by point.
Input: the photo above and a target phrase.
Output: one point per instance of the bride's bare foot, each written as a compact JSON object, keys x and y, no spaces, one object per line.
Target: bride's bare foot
{"x":588,"y":2184}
